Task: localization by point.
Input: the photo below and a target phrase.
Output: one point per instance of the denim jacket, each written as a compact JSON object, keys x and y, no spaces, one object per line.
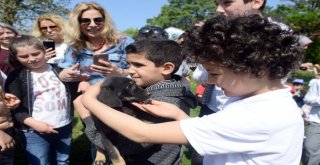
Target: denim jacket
{"x":85,"y":58}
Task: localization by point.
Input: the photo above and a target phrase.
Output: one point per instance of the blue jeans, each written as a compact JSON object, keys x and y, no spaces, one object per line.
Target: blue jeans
{"x":46,"y":149}
{"x":6,"y":158}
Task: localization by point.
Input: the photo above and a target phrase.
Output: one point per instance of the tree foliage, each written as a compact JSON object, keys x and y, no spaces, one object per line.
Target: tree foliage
{"x":302,"y":16}
{"x":183,"y":13}
{"x":313,"y":52}
{"x":21,"y":13}
{"x":132,"y":32}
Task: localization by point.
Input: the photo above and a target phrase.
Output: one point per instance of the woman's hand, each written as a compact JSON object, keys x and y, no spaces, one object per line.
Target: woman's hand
{"x":50,"y":53}
{"x":6,"y":141}
{"x":106,"y":68}
{"x":72,"y":74}
{"x":11,"y":101}
{"x":162,"y":109}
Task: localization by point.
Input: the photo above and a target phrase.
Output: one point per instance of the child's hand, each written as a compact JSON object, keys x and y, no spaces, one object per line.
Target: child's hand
{"x":92,"y":91}
{"x":42,"y":127}
{"x":6,"y":141}
{"x":11,"y":101}
{"x":162,"y":109}
{"x":83,"y":86}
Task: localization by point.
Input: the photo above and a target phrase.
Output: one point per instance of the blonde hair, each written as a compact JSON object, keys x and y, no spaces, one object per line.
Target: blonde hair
{"x":74,"y":35}
{"x":58,"y":20}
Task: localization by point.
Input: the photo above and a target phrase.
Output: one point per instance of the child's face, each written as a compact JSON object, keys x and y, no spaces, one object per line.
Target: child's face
{"x":31,"y":58}
{"x":235,"y":7}
{"x":143,"y":71}
{"x":234,"y":84}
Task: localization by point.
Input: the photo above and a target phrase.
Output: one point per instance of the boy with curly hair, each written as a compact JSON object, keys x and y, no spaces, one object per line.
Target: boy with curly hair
{"x":260,"y":124}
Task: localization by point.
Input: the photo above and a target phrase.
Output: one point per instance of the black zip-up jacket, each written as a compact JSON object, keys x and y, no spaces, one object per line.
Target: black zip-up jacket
{"x":19,"y":83}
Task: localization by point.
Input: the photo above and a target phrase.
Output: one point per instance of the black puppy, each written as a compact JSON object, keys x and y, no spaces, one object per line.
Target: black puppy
{"x":118,"y":93}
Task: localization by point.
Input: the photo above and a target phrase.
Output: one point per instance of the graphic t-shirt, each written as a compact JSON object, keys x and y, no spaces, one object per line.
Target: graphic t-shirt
{"x":50,"y":99}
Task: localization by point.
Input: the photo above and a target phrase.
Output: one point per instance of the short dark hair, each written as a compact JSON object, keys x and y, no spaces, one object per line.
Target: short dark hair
{"x":249,"y":44}
{"x":158,"y":51}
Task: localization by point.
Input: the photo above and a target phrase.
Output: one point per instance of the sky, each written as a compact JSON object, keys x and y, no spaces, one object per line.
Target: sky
{"x":134,"y":13}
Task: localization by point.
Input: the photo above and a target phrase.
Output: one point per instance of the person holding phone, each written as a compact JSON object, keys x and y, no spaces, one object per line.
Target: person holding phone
{"x":92,"y":34}
{"x":51,"y":29}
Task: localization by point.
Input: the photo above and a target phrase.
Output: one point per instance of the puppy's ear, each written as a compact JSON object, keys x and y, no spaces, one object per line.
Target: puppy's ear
{"x":109,"y":97}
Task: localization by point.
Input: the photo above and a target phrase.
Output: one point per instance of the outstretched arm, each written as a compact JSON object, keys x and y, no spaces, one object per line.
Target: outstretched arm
{"x":130,"y":127}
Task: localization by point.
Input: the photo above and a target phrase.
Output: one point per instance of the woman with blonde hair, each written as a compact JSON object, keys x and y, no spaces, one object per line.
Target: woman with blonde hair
{"x":97,"y":51}
{"x":51,"y":27}
{"x":91,"y":33}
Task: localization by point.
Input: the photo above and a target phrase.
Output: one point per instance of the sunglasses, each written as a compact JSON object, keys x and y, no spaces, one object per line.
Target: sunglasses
{"x":87,"y":21}
{"x":149,"y":30}
{"x":45,"y":28}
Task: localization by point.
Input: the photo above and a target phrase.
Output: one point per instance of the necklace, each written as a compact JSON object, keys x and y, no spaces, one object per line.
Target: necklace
{"x":98,"y":47}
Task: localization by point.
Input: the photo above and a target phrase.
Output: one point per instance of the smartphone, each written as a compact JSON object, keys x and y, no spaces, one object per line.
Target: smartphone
{"x":96,"y":58}
{"x":49,"y":44}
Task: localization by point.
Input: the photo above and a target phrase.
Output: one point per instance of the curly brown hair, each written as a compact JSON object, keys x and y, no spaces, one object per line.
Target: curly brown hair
{"x":248,"y":44}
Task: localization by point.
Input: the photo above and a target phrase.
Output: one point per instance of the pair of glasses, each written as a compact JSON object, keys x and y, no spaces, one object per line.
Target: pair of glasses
{"x":87,"y":21}
{"x":149,"y":30}
{"x":45,"y":28}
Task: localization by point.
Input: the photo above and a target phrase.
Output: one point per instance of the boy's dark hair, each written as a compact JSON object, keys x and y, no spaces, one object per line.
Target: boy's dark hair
{"x":21,"y":41}
{"x":158,"y":51}
{"x":151,"y":33}
{"x":249,"y":44}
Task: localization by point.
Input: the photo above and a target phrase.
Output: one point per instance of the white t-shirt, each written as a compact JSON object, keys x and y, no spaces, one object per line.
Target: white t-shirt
{"x":217,"y":99}
{"x":50,"y":99}
{"x":60,"y":50}
{"x":262,"y":129}
{"x":312,"y":98}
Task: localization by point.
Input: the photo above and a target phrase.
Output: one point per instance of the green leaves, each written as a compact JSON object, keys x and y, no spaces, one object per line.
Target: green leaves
{"x":183,"y":13}
{"x":22,"y":13}
{"x":302,"y":16}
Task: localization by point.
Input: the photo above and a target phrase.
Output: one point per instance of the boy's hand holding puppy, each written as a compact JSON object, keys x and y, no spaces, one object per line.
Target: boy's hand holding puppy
{"x":162,"y":109}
